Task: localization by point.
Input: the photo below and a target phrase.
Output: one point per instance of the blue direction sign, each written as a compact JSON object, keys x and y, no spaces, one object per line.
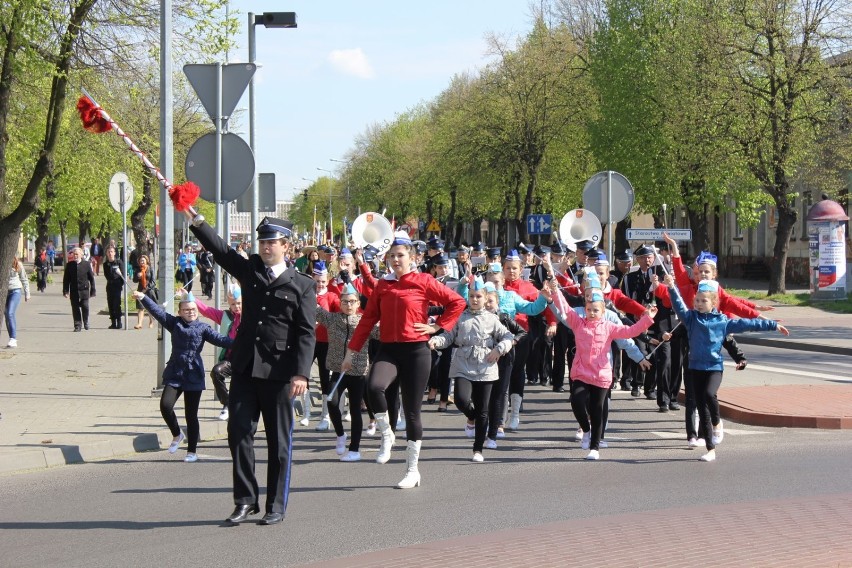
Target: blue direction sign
{"x":539,"y":224}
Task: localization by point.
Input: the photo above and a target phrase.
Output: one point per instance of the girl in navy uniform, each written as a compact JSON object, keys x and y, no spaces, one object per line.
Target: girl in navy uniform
{"x":184,"y":372}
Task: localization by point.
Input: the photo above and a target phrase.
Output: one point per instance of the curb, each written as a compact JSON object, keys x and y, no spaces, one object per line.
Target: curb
{"x":98,"y":450}
{"x":795,"y":345}
{"x":752,"y":418}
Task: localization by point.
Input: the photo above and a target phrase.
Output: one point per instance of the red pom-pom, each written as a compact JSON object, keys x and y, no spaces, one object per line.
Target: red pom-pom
{"x":93,"y":120}
{"x":184,"y":195}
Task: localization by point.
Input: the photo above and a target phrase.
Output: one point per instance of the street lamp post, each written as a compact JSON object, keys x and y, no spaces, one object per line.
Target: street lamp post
{"x":267,"y":20}
{"x":347,"y":162}
{"x":330,"y":216}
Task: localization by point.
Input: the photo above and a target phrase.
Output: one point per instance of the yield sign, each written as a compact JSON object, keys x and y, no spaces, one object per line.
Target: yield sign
{"x":235,"y":79}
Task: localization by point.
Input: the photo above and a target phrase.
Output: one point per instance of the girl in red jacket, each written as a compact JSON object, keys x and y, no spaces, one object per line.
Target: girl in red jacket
{"x":400,"y":305}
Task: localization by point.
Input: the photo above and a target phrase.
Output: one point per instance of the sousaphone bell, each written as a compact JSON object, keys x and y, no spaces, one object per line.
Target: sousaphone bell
{"x":579,"y":225}
{"x":372,"y":229}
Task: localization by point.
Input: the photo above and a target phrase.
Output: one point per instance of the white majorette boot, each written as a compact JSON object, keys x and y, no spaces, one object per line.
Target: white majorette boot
{"x":387,"y":437}
{"x":412,"y":475}
{"x":516,"y":411}
{"x":324,"y":421}
{"x":306,"y":408}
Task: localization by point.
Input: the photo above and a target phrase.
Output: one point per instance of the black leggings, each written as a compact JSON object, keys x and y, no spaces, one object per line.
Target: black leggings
{"x":587,"y":402}
{"x":499,"y":393}
{"x":519,"y":377}
{"x":191,"y":400}
{"x":472,"y":398}
{"x":220,"y":372}
{"x":400,"y":367}
{"x":320,"y":353}
{"x":355,"y":385}
{"x":706,"y":385}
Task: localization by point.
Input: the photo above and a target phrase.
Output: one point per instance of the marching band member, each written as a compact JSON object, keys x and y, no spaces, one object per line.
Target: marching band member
{"x":400,"y":305}
{"x":329,"y":301}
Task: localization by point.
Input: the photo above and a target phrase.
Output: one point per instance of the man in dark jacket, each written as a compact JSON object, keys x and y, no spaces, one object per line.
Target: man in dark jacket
{"x":271,"y":360}
{"x":78,"y":282}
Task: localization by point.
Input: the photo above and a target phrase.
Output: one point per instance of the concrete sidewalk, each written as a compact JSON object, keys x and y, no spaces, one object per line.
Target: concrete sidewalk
{"x":68,"y":397}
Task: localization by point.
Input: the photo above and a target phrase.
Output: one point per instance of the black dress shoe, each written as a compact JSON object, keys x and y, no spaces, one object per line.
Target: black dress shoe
{"x":663,"y":408}
{"x":651,"y":395}
{"x":77,"y":329}
{"x":674,"y":406}
{"x":272,"y":518}
{"x":241,"y":513}
{"x":558,"y":389}
{"x":635,"y":392}
{"x":86,"y":326}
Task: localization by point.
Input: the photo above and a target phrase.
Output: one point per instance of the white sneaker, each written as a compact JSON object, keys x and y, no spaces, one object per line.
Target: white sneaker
{"x":469,"y":431}
{"x":477,"y":457}
{"x":586,"y":442}
{"x":709,"y":456}
{"x":323,"y":424}
{"x":12,"y":343}
{"x":305,"y":421}
{"x":400,"y":423}
{"x":173,"y":447}
{"x":514,"y":423}
{"x":695,"y":442}
{"x":718,"y":434}
{"x":341,"y":445}
{"x":603,"y":444}
{"x":351,"y":456}
{"x":371,"y":429}
{"x":224,"y":414}
{"x":594,"y":455}
{"x":578,"y":435}
{"x":347,"y":417}
{"x":191,"y":458}
{"x":490,"y":444}
{"x":501,"y":434}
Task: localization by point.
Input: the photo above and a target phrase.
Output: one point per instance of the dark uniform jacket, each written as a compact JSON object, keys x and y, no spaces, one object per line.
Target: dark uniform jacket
{"x":639,"y":286}
{"x":79,"y":279}
{"x":276,"y":336}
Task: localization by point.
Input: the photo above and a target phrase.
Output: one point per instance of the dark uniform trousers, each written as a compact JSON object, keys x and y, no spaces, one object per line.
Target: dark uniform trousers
{"x":563,"y":346}
{"x":668,"y":359}
{"x":249,"y":400}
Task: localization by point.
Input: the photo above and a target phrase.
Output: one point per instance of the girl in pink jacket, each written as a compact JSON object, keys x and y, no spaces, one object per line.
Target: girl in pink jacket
{"x":591,"y":373}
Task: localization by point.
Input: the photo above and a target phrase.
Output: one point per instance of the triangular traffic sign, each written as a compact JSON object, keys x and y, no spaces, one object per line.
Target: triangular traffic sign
{"x":235,"y":79}
{"x":433,"y":227}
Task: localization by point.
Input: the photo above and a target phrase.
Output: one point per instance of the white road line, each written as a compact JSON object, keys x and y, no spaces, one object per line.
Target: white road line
{"x":795,"y":372}
{"x":734,"y":432}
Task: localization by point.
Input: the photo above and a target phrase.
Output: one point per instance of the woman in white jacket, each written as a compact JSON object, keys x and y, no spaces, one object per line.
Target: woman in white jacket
{"x":480,"y":340}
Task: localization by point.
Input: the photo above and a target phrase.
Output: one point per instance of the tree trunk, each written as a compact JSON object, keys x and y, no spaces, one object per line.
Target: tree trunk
{"x":777,"y":268}
{"x":699,"y":223}
{"x":137,"y":217}
{"x":449,"y":230}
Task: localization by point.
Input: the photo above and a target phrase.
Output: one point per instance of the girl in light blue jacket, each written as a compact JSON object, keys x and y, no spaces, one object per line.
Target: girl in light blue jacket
{"x":706,"y":329}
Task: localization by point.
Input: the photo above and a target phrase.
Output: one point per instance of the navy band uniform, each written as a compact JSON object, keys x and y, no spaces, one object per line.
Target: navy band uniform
{"x":274,"y":345}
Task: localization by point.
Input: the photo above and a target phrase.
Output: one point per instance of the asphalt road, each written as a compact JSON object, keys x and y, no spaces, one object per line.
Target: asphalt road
{"x":153,"y":509}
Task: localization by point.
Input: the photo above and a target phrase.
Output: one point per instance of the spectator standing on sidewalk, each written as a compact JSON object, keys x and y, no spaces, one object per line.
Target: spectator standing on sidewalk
{"x":97,"y":252}
{"x":19,"y":285}
{"x":144,"y":276}
{"x":41,"y":268}
{"x":114,"y":274}
{"x":186,"y":267}
{"x":78,"y":283}
{"x":51,"y":255}
{"x":184,"y":372}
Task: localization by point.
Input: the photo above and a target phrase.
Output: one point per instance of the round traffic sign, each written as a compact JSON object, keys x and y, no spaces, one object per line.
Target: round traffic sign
{"x":605,"y":190}
{"x":116,"y":198}
{"x":237,"y":166}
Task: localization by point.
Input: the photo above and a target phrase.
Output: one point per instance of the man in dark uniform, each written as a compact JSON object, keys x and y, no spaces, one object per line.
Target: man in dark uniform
{"x":439,"y":378}
{"x":78,"y":282}
{"x":271,"y":360}
{"x":640,"y":285}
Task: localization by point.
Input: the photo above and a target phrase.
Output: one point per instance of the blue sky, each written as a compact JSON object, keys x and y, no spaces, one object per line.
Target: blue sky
{"x":352,"y":64}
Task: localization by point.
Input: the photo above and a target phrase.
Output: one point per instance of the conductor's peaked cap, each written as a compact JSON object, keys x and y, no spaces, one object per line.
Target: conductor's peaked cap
{"x":271,"y":228}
